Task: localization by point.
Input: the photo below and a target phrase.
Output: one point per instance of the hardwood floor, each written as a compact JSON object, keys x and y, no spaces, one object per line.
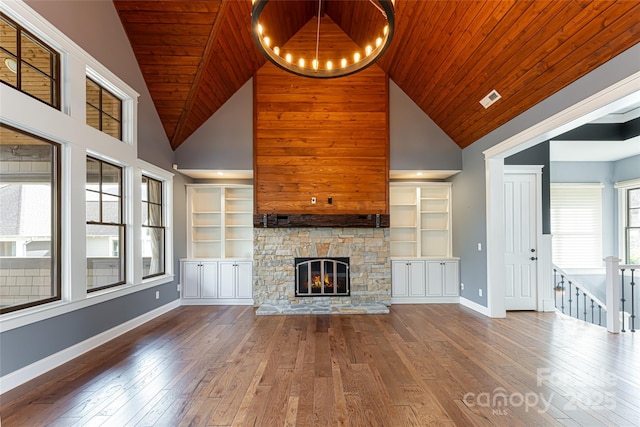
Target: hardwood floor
{"x":420,"y":365}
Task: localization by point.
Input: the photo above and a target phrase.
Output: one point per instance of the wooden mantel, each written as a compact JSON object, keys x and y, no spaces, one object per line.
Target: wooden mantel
{"x":322,"y":139}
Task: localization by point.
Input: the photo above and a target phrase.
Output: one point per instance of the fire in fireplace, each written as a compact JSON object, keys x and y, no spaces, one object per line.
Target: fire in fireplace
{"x":316,"y":277}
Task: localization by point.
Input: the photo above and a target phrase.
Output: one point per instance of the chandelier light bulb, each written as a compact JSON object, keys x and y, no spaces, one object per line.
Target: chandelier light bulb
{"x":260,"y":29}
{"x":343,"y":62}
{"x":356,"y":57}
{"x":314,"y":64}
{"x":329,"y":65}
{"x":288,"y":58}
{"x":378,"y":41}
{"x":385,"y":30}
{"x":301,"y":62}
{"x":367,"y":50}
{"x":276,"y":50}
{"x":267,"y":41}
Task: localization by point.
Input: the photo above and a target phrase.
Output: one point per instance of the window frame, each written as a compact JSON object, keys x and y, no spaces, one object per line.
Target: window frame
{"x":54,"y":67}
{"x":162,"y":220}
{"x":623,"y":188}
{"x":122,"y":246}
{"x":101,"y":113}
{"x":56,"y":224}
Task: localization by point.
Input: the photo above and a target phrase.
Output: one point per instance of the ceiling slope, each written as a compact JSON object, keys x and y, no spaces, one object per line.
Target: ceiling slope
{"x":446,"y":55}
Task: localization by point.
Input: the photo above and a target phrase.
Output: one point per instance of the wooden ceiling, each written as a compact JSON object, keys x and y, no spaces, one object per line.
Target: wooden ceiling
{"x":446,"y":55}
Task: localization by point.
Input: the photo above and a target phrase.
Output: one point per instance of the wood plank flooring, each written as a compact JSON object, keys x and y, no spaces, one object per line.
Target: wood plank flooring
{"x":420,"y":365}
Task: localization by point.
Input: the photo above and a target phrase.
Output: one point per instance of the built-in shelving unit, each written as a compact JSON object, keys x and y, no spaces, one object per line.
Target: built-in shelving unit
{"x":420,"y":219}
{"x":220,"y":221}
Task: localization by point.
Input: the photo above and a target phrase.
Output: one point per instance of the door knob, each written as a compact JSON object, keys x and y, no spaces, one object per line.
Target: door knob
{"x":533,"y":258}
{"x":533,"y":250}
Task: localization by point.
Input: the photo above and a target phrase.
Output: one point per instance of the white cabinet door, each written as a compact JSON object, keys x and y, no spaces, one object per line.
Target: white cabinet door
{"x":451,"y":281}
{"x":226,"y":282}
{"x":434,"y":278}
{"x":190,"y":279}
{"x":399,"y":279}
{"x":209,"y":279}
{"x":416,"y":278}
{"x":244,"y":279}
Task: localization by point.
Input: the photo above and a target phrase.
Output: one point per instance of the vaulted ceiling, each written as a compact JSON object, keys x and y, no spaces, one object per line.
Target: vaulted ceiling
{"x":445,"y":55}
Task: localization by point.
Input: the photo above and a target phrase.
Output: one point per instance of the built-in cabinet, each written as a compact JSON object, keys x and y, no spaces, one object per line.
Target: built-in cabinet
{"x":424,"y":280}
{"x":218,"y":267}
{"x":423,"y":269}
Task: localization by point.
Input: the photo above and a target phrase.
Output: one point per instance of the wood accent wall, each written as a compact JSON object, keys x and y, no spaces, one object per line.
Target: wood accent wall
{"x":321,"y":138}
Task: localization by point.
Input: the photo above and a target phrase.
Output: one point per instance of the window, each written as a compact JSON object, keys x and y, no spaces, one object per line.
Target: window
{"x":28,"y":64}
{"x":632,"y":228}
{"x":29,"y":220}
{"x":576,"y":225}
{"x":152,"y":228}
{"x":104,"y":110}
{"x":105,"y":225}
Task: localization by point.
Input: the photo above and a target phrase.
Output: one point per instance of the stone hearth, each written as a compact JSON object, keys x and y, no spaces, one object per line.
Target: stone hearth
{"x":276,"y":248}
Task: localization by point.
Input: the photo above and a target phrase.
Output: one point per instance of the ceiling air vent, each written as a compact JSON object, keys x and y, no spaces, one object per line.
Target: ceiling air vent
{"x":490,"y":99}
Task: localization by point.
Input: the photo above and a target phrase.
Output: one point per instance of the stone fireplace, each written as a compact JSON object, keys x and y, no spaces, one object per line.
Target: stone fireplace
{"x":274,"y":272}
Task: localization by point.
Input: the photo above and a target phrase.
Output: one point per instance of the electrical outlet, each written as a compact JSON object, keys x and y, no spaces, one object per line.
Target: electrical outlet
{"x":479,"y":247}
{"x":178,"y":288}
{"x":462,"y":286}
{"x":479,"y":292}
{"x":313,"y":200}
{"x":157,"y":294}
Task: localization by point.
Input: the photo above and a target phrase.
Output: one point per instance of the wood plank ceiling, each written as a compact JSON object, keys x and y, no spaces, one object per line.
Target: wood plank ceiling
{"x":446,"y":55}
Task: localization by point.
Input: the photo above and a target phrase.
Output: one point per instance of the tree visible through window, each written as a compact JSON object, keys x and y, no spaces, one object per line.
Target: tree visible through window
{"x":152,"y":228}
{"x":105,"y":225}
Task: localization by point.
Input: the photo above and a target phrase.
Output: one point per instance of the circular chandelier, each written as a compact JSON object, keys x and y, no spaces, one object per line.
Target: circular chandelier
{"x":311,"y":66}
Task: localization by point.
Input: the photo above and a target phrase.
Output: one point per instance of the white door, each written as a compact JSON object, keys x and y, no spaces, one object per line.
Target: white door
{"x":520,"y":240}
{"x":434,"y":278}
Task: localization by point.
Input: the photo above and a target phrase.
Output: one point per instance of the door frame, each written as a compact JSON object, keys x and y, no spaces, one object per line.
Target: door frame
{"x":615,"y":97}
{"x":537,"y":210}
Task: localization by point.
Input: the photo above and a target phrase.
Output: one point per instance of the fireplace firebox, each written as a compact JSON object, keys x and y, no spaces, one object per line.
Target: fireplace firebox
{"x":318,"y":277}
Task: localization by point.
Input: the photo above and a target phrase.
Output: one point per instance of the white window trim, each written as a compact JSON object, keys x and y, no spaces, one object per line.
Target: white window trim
{"x":68,"y":128}
{"x":127,"y":97}
{"x":622,"y":188}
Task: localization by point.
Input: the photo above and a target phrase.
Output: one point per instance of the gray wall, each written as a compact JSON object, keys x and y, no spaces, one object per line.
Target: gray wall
{"x":416,"y":142}
{"x":95,"y":26}
{"x":591,"y":172}
{"x":469,"y":207}
{"x":626,"y":169}
{"x":225,"y":141}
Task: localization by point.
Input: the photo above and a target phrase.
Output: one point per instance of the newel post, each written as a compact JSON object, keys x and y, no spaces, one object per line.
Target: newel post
{"x":613,"y":294}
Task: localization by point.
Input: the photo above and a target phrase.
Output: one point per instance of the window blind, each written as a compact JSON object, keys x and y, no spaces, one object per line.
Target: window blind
{"x":576,"y":225}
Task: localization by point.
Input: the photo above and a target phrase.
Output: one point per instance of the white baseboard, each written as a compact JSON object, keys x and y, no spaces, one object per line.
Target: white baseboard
{"x":475,"y":306}
{"x":22,"y":375}
{"x":217,"y":301}
{"x":425,"y":300}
